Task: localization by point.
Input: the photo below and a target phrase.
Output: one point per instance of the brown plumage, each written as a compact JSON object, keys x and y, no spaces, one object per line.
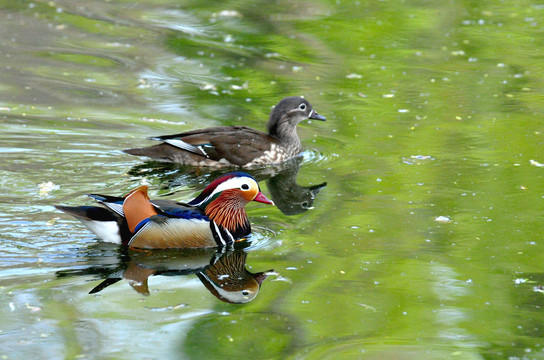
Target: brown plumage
{"x":237,"y":145}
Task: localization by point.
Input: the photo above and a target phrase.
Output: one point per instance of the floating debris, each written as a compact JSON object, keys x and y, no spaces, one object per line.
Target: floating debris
{"x":281,"y":278}
{"x":354,"y":76}
{"x":52,"y":221}
{"x":535,"y":163}
{"x":416,"y":159}
{"x":367,"y":306}
{"x":422,"y":157}
{"x":240,"y":87}
{"x":33,"y":308}
{"x":46,"y":187}
{"x":208,"y":86}
{"x":443,"y":219}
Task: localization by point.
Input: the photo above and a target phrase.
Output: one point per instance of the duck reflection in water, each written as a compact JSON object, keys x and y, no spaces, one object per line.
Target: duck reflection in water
{"x":288,"y":196}
{"x":222,"y":272}
{"x":281,"y":181}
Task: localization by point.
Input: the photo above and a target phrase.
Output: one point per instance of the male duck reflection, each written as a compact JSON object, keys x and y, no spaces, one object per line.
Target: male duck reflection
{"x":216,"y":217}
{"x":223,"y":273}
{"x":237,"y":145}
{"x":228,"y":279}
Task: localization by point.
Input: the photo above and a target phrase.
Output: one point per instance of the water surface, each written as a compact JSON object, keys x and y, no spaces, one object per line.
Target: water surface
{"x":425,"y":242}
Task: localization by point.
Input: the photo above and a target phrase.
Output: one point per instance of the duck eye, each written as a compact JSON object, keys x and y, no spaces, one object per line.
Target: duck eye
{"x":245,"y":292}
{"x":302,"y":106}
{"x":244,"y":187}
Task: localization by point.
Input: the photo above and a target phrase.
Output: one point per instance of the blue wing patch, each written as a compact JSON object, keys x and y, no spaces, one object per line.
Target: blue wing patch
{"x":186,"y":214}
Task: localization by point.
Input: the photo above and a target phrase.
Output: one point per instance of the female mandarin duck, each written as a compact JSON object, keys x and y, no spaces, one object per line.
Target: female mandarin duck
{"x":237,"y":145}
{"x":216,"y":217}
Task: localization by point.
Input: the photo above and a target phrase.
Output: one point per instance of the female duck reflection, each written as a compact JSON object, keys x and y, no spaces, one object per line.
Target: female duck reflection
{"x":288,"y":196}
{"x":222,"y":272}
{"x":281,"y":181}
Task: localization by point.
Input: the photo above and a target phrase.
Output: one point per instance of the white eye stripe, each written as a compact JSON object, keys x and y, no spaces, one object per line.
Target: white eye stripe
{"x":297,"y":110}
{"x":234,"y":183}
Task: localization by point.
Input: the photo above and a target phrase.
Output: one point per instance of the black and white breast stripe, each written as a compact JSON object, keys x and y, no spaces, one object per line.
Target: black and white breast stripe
{"x":221,"y":235}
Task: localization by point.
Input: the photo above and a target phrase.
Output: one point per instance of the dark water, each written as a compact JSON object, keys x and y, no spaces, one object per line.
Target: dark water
{"x":425,"y":243}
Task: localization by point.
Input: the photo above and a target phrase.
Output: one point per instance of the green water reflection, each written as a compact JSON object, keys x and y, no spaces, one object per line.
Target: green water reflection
{"x":424,"y":244}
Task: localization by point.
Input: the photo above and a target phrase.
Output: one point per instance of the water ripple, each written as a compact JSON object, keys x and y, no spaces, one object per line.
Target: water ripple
{"x":263,"y":238}
{"x":315,"y":157}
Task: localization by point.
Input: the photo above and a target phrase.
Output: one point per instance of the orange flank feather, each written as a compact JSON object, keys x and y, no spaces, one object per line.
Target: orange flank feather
{"x":137,"y":207}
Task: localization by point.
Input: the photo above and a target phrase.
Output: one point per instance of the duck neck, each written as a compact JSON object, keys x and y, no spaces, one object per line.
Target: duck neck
{"x":286,"y":133}
{"x":228,"y":211}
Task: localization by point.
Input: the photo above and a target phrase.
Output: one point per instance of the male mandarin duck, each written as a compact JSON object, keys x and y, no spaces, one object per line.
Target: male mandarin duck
{"x":237,"y":145}
{"x":216,"y":217}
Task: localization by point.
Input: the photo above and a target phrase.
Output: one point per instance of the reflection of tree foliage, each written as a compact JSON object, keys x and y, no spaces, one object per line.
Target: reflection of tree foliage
{"x":251,"y":335}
